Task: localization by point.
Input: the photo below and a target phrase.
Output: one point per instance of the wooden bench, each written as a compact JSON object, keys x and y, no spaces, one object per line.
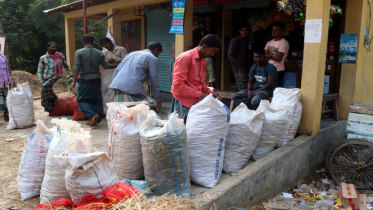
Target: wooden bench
{"x":227,"y":95}
{"x":326,"y":98}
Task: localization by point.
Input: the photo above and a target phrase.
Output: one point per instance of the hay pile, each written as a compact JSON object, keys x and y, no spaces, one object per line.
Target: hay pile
{"x":140,"y":202}
{"x":21,"y":77}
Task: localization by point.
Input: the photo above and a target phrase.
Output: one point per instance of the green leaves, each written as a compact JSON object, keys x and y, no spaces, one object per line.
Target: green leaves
{"x":29,"y":29}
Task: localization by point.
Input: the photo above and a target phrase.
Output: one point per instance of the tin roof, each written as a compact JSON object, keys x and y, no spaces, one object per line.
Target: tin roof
{"x":77,"y":5}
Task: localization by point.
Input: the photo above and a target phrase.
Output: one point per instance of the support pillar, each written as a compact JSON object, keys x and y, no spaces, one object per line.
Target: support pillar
{"x":185,"y":41}
{"x":349,"y":71}
{"x":114,"y":23}
{"x":70,"y":41}
{"x":313,"y":72}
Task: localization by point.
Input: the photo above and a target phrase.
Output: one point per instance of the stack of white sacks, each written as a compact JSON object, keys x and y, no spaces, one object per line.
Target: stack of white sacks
{"x":213,"y":140}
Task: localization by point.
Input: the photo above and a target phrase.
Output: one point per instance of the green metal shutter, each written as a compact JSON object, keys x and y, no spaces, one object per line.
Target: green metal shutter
{"x":157,"y":28}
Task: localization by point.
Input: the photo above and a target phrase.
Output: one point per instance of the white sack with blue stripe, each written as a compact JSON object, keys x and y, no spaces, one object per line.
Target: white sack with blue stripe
{"x":207,"y":127}
{"x":32,"y":167}
{"x":243,"y":137}
{"x":165,"y":155}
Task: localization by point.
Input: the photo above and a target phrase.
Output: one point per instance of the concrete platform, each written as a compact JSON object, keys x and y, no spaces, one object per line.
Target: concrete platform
{"x":274,"y":173}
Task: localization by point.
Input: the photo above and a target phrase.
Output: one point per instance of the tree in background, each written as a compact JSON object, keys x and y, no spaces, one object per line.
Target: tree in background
{"x":29,"y":29}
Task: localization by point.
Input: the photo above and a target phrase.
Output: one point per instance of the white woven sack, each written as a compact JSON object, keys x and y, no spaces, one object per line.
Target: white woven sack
{"x":86,"y":173}
{"x":124,"y":141}
{"x":32,"y":166}
{"x":207,"y":127}
{"x":108,"y":94}
{"x":243,"y":137}
{"x":54,"y":186}
{"x":165,"y":155}
{"x":108,"y":35}
{"x":288,"y":99}
{"x":116,"y":106}
{"x":273,"y":129}
{"x":20,"y":106}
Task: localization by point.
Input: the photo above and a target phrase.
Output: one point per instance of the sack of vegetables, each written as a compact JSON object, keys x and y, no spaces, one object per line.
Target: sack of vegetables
{"x":165,"y":155}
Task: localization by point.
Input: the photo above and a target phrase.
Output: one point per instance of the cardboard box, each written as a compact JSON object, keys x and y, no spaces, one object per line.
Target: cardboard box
{"x":360,"y":125}
{"x":350,"y":197}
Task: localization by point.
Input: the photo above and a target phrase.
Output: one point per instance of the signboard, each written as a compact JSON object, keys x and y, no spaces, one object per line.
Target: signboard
{"x":326,"y":84}
{"x":290,"y":80}
{"x":347,"y":50}
{"x":178,"y":11}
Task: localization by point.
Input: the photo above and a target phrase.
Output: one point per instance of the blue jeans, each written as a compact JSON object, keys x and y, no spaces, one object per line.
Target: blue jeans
{"x":252,"y":103}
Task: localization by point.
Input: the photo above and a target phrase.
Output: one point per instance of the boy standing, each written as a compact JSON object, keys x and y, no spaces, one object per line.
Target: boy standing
{"x":276,"y":51}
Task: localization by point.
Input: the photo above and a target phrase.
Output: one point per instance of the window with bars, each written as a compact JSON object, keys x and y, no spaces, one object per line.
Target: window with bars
{"x":131,"y":35}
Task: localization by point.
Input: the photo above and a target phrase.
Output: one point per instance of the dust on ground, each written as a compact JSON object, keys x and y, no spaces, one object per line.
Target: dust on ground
{"x":21,"y":76}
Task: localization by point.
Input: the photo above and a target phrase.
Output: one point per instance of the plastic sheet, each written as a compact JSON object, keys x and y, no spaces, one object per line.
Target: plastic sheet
{"x":165,"y":156}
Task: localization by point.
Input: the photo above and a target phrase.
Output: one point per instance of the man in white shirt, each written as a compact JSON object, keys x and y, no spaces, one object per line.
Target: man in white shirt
{"x":113,"y":55}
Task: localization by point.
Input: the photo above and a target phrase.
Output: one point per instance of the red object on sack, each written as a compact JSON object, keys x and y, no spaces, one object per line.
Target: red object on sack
{"x":63,"y":202}
{"x":64,"y":107}
{"x":78,"y":115}
{"x":112,"y":195}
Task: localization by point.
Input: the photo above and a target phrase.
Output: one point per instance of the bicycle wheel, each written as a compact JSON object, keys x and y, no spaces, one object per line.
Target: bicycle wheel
{"x":335,"y":146}
{"x":352,"y":162}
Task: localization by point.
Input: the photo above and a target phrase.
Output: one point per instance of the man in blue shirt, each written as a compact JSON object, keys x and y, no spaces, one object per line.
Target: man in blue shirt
{"x":133,"y":71}
{"x":265,"y":75}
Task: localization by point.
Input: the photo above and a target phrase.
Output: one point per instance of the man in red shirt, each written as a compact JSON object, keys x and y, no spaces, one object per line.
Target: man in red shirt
{"x":188,"y":86}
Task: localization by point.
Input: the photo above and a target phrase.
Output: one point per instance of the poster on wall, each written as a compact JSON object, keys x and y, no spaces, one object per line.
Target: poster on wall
{"x":178,"y":11}
{"x":347,"y":50}
{"x":2,"y":45}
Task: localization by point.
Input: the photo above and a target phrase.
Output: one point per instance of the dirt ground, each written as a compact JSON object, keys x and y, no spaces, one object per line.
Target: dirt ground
{"x":11,"y":153}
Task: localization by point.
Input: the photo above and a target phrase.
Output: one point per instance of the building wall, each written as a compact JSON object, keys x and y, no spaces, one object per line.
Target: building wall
{"x":355,"y":83}
{"x":157,"y":29}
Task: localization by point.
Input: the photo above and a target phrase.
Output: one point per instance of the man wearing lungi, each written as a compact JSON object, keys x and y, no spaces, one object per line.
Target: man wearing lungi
{"x":133,"y":71}
{"x":188,"y":86}
{"x":49,"y":72}
{"x":87,"y":63}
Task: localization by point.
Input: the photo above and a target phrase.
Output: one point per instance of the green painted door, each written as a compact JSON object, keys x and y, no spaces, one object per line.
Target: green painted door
{"x":157,"y":28}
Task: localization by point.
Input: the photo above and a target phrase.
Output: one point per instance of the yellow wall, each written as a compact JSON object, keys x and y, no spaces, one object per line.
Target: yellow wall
{"x":355,"y":83}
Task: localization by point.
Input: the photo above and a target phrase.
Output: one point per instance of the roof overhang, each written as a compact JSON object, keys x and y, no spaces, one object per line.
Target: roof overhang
{"x":77,"y":5}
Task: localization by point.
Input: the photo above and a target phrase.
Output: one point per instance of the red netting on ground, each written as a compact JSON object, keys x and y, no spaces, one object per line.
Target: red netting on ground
{"x":78,"y":115}
{"x":64,"y":107}
{"x":63,"y":202}
{"x":112,"y":195}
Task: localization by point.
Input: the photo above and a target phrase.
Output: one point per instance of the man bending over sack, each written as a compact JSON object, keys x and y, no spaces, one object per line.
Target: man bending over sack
{"x":265,"y":75}
{"x":133,"y":71}
{"x":188,"y":86}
